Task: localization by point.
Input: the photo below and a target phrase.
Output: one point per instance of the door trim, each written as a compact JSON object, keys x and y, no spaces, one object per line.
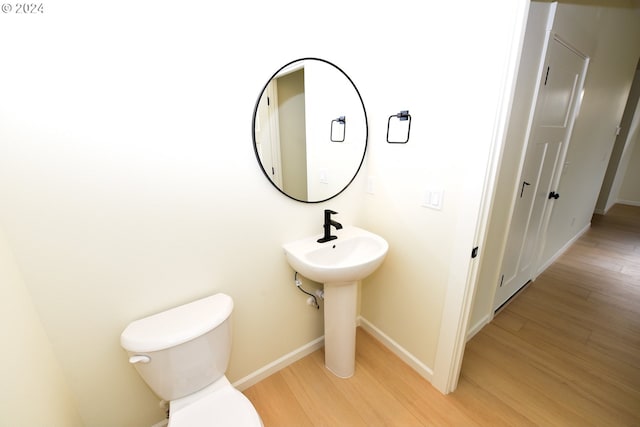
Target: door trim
{"x":464,"y":269}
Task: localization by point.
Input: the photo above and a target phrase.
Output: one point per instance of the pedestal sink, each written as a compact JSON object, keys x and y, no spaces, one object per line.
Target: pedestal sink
{"x":339,"y":264}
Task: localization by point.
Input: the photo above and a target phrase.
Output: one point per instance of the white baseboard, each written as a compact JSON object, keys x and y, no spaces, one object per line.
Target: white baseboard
{"x":422,"y":369}
{"x":275,"y":366}
{"x":628,"y":202}
{"x":562,"y":250}
{"x":478,"y":326}
{"x":318,"y":343}
{"x":287,"y":359}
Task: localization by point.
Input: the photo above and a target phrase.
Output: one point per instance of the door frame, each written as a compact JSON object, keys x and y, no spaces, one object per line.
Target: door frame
{"x":473,"y":225}
{"x":272,"y":124}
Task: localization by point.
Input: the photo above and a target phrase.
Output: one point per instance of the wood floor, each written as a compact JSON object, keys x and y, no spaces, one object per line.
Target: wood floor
{"x":565,"y":352}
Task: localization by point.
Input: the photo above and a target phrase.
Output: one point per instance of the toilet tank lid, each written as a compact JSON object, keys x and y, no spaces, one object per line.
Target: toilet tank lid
{"x":177,"y":325}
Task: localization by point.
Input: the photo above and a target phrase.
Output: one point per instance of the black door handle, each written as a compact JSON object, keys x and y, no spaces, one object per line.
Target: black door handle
{"x":554,"y":195}
{"x":522,"y":189}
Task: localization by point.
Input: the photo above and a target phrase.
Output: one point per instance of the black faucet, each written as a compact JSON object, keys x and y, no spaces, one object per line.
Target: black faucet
{"x":328,"y":222}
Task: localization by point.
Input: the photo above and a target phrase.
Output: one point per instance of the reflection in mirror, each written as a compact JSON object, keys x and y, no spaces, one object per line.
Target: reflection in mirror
{"x":299,"y":130}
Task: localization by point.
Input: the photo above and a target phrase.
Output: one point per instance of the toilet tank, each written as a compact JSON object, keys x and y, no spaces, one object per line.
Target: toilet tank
{"x":182,"y":350}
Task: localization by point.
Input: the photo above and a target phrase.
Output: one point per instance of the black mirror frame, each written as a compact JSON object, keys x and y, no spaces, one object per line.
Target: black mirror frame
{"x":253,"y":129}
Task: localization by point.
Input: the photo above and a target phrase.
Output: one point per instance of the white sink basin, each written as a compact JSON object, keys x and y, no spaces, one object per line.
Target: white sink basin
{"x":354,"y":255}
{"x":339,"y":264}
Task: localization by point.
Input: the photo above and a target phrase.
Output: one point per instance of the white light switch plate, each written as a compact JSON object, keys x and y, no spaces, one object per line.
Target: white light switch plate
{"x":433,"y":199}
{"x":371,"y":185}
{"x":324,"y":178}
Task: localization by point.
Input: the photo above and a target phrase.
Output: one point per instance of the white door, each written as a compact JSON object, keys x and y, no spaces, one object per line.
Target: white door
{"x":555,"y":111}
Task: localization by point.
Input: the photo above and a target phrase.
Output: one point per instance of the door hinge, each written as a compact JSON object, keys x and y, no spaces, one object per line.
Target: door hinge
{"x":268,"y":101}
{"x":547,"y":76}
{"x":501,"y":280}
{"x":474,"y":252}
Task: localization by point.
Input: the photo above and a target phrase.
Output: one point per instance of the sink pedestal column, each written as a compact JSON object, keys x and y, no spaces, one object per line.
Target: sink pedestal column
{"x":340,"y":303}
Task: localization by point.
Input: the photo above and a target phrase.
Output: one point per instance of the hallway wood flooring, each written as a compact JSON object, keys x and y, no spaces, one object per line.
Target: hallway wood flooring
{"x":564,"y":352}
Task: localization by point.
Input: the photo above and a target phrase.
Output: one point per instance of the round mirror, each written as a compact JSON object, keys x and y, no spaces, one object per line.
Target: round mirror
{"x":310,"y":130}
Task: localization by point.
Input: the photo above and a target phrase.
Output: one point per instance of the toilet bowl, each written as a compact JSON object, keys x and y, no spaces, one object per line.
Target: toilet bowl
{"x":182,"y":354}
{"x":219,"y":404}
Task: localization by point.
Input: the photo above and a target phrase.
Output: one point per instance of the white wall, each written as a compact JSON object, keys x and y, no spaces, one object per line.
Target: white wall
{"x":626,"y":184}
{"x":129,"y":185}
{"x":34,"y":390}
{"x":626,"y":187}
{"x":622,"y":149}
{"x":454,"y":112}
{"x":630,"y":189}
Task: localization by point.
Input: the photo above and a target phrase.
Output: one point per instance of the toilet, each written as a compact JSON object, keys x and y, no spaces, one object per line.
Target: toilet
{"x":182,"y":354}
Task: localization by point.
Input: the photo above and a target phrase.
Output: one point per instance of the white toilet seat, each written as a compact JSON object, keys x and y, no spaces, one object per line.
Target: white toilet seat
{"x":223,"y":407}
